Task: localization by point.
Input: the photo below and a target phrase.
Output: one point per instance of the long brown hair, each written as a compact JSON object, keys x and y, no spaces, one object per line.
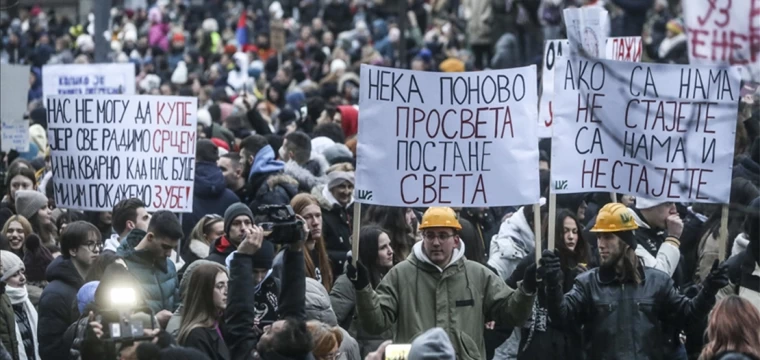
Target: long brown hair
{"x":299,"y":203}
{"x":733,"y":326}
{"x":393,"y":220}
{"x":199,"y":311}
{"x":325,"y":337}
{"x":627,"y":268}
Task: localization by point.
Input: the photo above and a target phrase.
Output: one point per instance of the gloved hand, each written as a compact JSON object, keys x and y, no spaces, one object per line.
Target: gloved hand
{"x":529,"y":281}
{"x":550,"y":269}
{"x":359,"y":275}
{"x":716,"y":279}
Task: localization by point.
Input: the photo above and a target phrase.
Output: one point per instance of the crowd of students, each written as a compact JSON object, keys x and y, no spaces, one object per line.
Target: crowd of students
{"x":636,"y":278}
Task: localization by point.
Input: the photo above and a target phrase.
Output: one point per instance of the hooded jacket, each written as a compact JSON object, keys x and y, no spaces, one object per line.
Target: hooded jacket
{"x":417,"y":295}
{"x":514,"y":241}
{"x":57,"y":308}
{"x":158,"y":277}
{"x":318,"y":307}
{"x":269,"y":186}
{"x":307,"y":179}
{"x":210,"y":195}
{"x":349,"y":120}
{"x":336,"y":228}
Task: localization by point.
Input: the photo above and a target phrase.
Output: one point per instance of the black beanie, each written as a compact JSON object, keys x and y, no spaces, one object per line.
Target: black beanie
{"x":206,"y":150}
{"x":233,"y":212}
{"x":263,"y":258}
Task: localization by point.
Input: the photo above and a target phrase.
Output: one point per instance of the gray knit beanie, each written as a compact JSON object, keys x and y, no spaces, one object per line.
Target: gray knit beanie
{"x":28,"y":202}
{"x":234,"y":211}
{"x":433,"y":344}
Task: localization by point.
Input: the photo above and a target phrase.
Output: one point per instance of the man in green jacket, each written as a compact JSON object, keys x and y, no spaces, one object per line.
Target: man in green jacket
{"x":437,"y":287}
{"x":147,"y":257}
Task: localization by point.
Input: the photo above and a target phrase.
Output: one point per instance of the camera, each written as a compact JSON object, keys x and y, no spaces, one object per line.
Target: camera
{"x":123,"y":322}
{"x":280,"y":224}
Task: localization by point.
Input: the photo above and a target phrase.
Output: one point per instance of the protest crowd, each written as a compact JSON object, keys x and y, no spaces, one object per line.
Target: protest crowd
{"x":226,"y":216}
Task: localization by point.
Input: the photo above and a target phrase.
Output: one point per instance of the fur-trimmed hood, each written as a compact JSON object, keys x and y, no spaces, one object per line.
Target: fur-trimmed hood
{"x":199,"y":248}
{"x":323,"y":201}
{"x":305,"y":178}
{"x":283,"y":180}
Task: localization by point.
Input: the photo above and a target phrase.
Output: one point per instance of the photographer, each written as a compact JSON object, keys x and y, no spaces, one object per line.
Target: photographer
{"x":287,"y":338}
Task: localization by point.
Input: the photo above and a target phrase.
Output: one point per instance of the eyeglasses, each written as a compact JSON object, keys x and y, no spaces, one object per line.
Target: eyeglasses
{"x":432,"y":236}
{"x":93,"y":246}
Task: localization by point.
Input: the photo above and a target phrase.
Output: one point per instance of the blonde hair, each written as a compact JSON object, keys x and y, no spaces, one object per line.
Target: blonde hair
{"x":326,"y":337}
{"x":204,"y":226}
{"x":25,"y":224}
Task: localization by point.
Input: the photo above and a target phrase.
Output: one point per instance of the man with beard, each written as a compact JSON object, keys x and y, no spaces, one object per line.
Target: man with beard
{"x":266,"y":182}
{"x":287,"y":338}
{"x":624,"y":305}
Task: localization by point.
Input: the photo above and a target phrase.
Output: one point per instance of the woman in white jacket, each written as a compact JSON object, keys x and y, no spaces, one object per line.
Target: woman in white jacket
{"x":26,"y":315}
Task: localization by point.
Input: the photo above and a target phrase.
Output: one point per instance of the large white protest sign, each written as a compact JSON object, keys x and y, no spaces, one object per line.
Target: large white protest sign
{"x":654,"y":130}
{"x":617,"y":48}
{"x":15,"y":130}
{"x":725,"y":32}
{"x":453,"y":139}
{"x":88,"y":79}
{"x":108,"y":148}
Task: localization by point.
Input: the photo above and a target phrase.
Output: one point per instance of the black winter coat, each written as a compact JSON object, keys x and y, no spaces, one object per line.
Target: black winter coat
{"x":336,"y":230}
{"x":241,"y":312}
{"x":57,"y":308}
{"x":542,"y":338}
{"x":624,"y":320}
{"x":208,"y":342}
{"x":272,"y":188}
{"x":220,"y":250}
{"x":210,"y":195}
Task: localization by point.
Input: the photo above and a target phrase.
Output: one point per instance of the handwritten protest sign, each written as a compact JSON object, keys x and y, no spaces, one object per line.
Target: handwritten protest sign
{"x":725,"y":32}
{"x":660,"y":131}
{"x":454,"y":139}
{"x":587,"y":27}
{"x":15,"y":130}
{"x":15,"y":135}
{"x":617,"y":48}
{"x":88,"y":79}
{"x":108,"y":148}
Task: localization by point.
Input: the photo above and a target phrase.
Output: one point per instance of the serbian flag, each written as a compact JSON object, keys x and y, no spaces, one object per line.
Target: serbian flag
{"x":242,"y":32}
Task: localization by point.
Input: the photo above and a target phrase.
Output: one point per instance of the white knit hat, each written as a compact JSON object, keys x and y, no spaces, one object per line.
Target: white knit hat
{"x":11,"y":264}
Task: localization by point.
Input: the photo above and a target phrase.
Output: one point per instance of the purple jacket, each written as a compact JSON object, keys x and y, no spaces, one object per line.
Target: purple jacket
{"x":157,"y":36}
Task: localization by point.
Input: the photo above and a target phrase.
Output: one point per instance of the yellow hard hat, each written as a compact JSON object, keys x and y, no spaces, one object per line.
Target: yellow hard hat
{"x":614,"y":217}
{"x":440,"y":217}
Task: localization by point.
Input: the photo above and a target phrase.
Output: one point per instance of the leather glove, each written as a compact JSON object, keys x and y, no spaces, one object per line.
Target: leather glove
{"x":358,"y":275}
{"x":529,"y":280}
{"x":550,"y":269}
{"x":716,"y":279}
